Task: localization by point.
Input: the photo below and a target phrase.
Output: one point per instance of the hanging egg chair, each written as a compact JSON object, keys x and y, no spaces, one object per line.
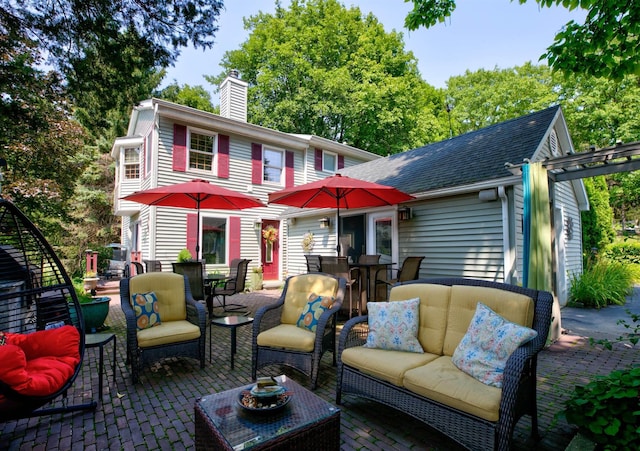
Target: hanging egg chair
{"x":41,"y":326}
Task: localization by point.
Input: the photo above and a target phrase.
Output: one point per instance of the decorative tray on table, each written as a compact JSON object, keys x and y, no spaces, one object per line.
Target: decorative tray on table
{"x":265,"y":396}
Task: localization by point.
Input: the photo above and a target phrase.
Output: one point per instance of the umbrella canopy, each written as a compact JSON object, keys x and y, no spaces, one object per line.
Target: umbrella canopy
{"x":339,"y":192}
{"x":195,"y":194}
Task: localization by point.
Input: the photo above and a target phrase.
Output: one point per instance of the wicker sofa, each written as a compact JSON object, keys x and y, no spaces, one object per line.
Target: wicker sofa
{"x":429,"y":386}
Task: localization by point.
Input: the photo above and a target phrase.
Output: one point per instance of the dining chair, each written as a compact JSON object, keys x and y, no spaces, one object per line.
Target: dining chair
{"x":339,"y":267}
{"x":234,"y":284}
{"x":195,"y":274}
{"x":410,"y":270}
{"x":153,"y":265}
{"x":314,"y":262}
{"x":138,"y":268}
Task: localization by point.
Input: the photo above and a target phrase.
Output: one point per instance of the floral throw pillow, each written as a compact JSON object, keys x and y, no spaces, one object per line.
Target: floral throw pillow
{"x":394,"y":326}
{"x":313,"y":311}
{"x":485,"y":348}
{"x":145,"y":306}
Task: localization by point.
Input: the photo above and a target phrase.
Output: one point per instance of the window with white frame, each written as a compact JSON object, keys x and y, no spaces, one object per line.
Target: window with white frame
{"x":131,"y":163}
{"x":273,"y":164}
{"x":329,"y":161}
{"x":201,"y":150}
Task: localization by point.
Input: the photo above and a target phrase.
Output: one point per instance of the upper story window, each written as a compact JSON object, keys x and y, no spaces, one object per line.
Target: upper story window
{"x":201,"y":150}
{"x":273,"y":164}
{"x":131,"y":163}
{"x":329,"y":161}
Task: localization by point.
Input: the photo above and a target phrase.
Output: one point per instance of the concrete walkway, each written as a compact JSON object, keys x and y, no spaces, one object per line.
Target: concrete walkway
{"x":157,"y":413}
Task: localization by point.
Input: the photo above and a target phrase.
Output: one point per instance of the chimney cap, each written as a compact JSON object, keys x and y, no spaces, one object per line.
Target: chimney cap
{"x":234,"y":73}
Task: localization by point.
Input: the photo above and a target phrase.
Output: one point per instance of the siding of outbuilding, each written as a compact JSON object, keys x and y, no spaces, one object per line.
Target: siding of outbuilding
{"x":459,"y":237}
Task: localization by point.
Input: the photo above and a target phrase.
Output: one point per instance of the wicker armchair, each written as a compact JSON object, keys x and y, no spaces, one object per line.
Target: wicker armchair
{"x":182,"y":330}
{"x":278,"y":340}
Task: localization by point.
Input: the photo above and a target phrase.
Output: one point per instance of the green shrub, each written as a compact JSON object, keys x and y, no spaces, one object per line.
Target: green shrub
{"x":607,"y":409}
{"x":184,"y":256}
{"x":624,"y":252}
{"x":604,"y":282}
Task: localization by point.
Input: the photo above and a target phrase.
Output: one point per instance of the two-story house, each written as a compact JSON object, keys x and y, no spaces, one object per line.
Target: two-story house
{"x":168,"y":143}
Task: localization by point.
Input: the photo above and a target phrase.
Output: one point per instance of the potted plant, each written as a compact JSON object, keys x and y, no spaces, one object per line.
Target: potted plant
{"x":256,"y":278}
{"x":184,"y":256}
{"x":90,"y":282}
{"x":94,"y":309}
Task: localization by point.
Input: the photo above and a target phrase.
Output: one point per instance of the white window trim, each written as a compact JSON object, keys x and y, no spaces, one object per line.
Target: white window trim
{"x":214,"y":154}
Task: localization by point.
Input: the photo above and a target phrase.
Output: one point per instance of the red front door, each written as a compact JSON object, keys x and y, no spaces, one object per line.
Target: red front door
{"x":270,"y":249}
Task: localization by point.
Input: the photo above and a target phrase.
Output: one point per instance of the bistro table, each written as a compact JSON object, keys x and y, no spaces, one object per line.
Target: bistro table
{"x":232,"y":322}
{"x":306,"y":422}
{"x":367,"y":271}
{"x":99,"y":341}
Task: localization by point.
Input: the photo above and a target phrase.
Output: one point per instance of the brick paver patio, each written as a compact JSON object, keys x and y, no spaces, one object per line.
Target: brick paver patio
{"x":157,"y":413}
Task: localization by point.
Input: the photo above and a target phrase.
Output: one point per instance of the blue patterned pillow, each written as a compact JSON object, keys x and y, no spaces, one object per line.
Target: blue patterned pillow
{"x":145,"y":306}
{"x":485,"y":348}
{"x":394,"y":326}
{"x":314,"y":310}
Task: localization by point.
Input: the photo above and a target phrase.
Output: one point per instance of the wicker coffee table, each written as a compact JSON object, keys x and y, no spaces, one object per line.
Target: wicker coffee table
{"x":306,"y":422}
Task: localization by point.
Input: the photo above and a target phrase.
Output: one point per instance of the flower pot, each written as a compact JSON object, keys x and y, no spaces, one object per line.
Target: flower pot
{"x":94,"y":313}
{"x":90,"y":283}
{"x":256,"y":281}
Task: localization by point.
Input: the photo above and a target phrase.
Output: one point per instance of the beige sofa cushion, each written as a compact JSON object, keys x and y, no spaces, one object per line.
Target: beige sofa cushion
{"x":386,"y":365}
{"x":298,"y":291}
{"x":168,"y":332}
{"x":169,"y":289}
{"x":515,"y":307}
{"x":441,"y":381}
{"x":288,"y":336}
{"x":434,"y":305}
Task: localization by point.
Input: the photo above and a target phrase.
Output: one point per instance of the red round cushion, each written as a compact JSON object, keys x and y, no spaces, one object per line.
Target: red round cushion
{"x":40,"y":363}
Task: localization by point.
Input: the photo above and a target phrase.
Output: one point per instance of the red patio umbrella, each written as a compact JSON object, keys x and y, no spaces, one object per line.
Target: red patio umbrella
{"x":197,"y":194}
{"x":340,"y":192}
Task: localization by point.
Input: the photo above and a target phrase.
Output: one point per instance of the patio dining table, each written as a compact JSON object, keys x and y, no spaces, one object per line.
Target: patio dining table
{"x":367,"y":271}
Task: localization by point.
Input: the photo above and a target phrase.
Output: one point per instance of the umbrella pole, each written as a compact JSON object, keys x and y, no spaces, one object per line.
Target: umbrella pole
{"x":198,"y":233}
{"x":338,"y":231}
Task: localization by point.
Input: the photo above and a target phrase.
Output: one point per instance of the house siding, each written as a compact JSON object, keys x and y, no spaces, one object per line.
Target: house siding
{"x":459,"y":237}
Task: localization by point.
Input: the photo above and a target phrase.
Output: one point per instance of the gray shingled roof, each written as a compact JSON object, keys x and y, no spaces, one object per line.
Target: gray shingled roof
{"x":473,"y":157}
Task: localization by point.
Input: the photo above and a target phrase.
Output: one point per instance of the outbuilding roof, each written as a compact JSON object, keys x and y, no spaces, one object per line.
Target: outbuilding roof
{"x":477,"y":156}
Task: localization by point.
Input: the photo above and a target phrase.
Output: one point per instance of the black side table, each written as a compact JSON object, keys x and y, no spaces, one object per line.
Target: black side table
{"x":99,"y":341}
{"x":232,"y":322}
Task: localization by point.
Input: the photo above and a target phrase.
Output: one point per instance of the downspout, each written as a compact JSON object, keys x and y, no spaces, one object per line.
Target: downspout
{"x":507,"y":251}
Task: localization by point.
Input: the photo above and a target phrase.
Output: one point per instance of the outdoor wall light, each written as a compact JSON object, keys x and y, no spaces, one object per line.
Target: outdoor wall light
{"x":325,"y":222}
{"x":257,"y":225}
{"x":404,"y":213}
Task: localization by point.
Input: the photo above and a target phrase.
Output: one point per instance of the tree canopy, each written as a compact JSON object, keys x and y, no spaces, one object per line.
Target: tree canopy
{"x":606,"y":45}
{"x":320,"y":68}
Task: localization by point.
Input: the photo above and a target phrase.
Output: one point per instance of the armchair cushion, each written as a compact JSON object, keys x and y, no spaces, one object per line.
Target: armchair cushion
{"x":145,"y":305}
{"x":314,"y":310}
{"x":394,"y":326}
{"x":167,"y":333}
{"x":169,"y":290}
{"x":298,"y":292}
{"x":488,"y":343}
{"x":287,"y":336}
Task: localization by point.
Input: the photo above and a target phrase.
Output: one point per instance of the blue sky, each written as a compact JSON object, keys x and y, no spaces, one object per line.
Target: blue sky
{"x":479,"y":34}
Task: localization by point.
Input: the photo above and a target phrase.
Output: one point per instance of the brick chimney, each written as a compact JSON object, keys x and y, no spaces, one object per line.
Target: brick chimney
{"x":233,"y":97}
